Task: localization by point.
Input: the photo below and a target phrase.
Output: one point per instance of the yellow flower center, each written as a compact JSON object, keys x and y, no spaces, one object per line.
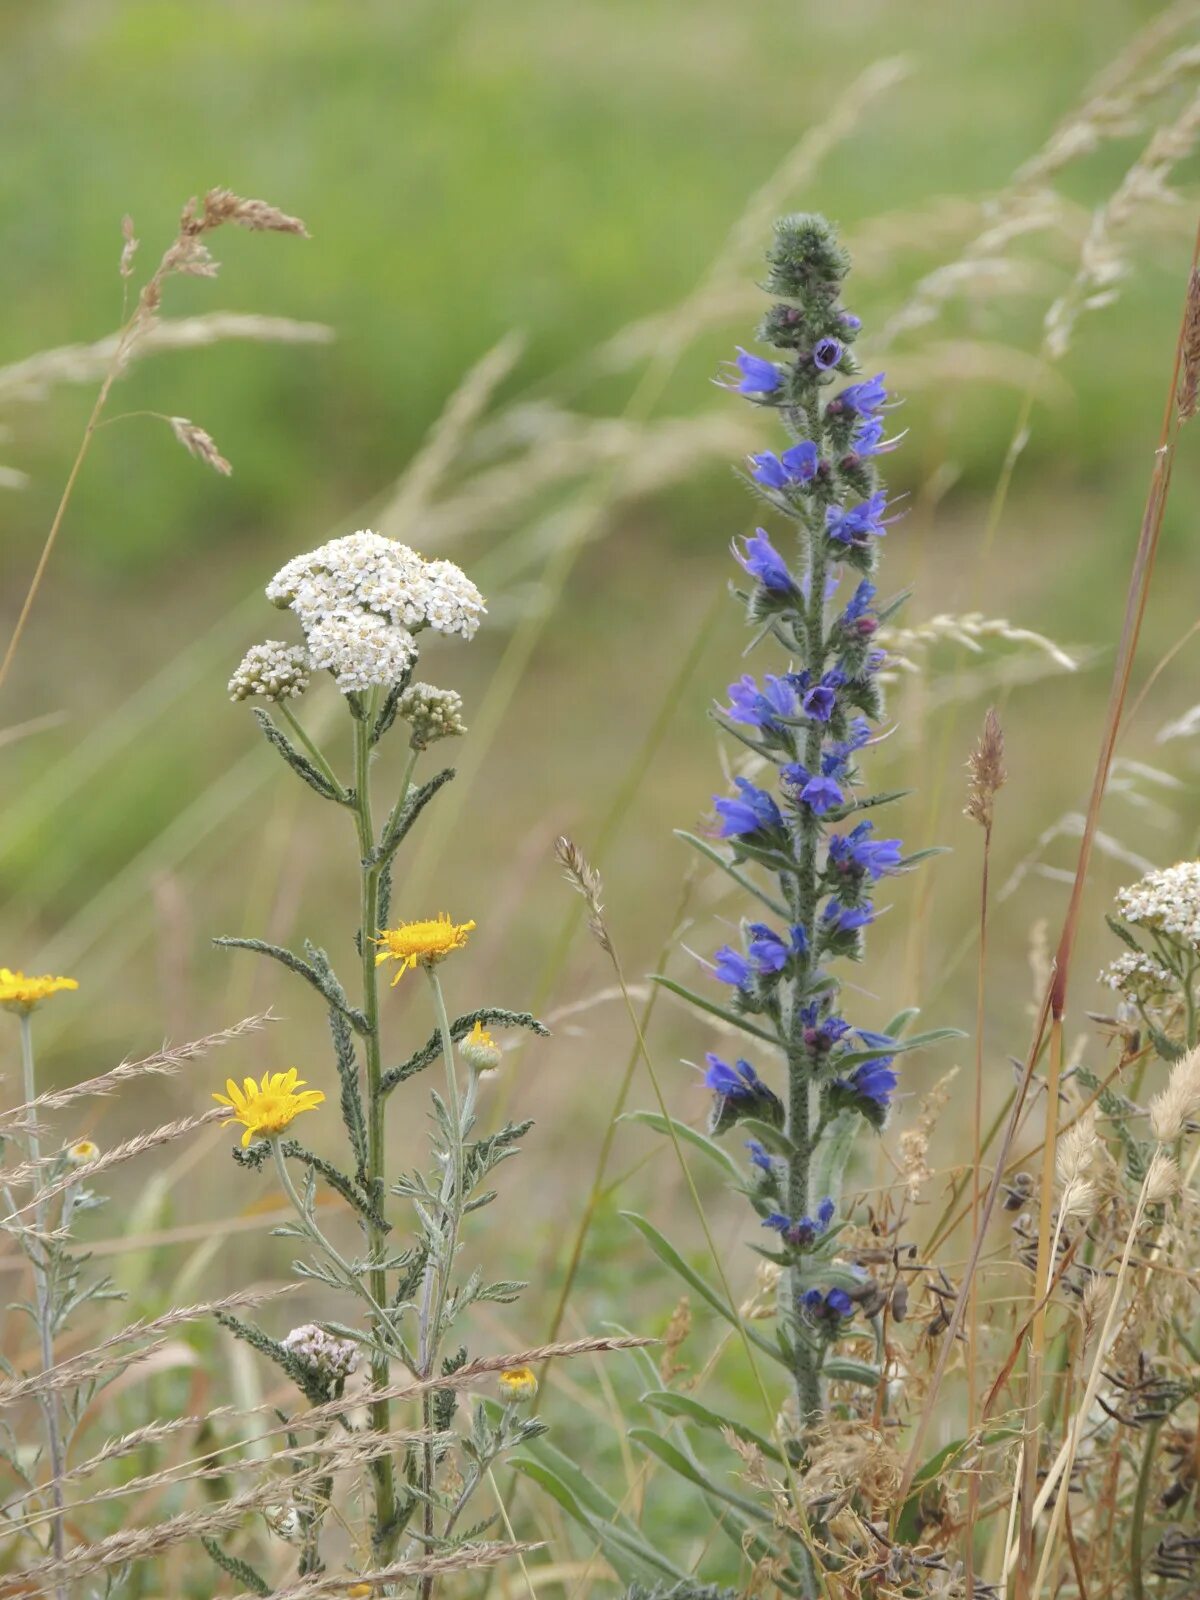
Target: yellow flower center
{"x":415,"y":944}
{"x":517,"y":1384}
{"x":21,"y":993}
{"x":266,"y":1108}
{"x":82,"y":1151}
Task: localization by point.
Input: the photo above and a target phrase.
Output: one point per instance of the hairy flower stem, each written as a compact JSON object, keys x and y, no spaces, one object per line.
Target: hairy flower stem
{"x":459,"y":1113}
{"x":41,"y":1280}
{"x":804,"y":887}
{"x":386,"y":1532}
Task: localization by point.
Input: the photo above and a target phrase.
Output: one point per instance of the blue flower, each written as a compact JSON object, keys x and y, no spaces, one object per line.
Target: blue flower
{"x":867,"y":439}
{"x":827,"y":1308}
{"x":755,"y":812}
{"x":820,"y":794}
{"x":857,"y":618}
{"x":857,"y":851}
{"x":821,"y":1033}
{"x":835,"y":760}
{"x":761,"y":707}
{"x":797,"y":465}
{"x":820,"y":701}
{"x":851,"y":323}
{"x":868,"y":1089}
{"x":739,"y":1092}
{"x":735,"y":1083}
{"x":858,"y":523}
{"x":760,"y":1156}
{"x":757,"y":376}
{"x":800,"y":1232}
{"x":770,"y":951}
{"x":732,"y":967}
{"x":876,"y":1041}
{"x":826,"y":353}
{"x":762,"y":561}
{"x":862,"y":399}
{"x":847,"y":919}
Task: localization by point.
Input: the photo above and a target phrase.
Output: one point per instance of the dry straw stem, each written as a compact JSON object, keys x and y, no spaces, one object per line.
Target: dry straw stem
{"x":971,"y":630}
{"x":163,"y":1062}
{"x":585,"y":880}
{"x":1054,"y":999}
{"x":90,"y":1363}
{"x":166,"y":1133}
{"x":186,"y":255}
{"x":467,"y":1557}
{"x":34,"y":377}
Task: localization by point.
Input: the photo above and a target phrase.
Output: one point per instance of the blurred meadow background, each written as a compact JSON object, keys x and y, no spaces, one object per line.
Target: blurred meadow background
{"x":535,"y":229}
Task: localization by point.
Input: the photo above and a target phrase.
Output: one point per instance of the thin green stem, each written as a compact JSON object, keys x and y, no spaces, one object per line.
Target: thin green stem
{"x":438,"y":1273}
{"x":319,"y":759}
{"x":38,"y":1255}
{"x":382,"y":1469}
{"x":1137,"y":1529}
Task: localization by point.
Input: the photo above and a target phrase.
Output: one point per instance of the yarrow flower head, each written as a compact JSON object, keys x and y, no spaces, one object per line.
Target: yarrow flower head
{"x":360,"y":599}
{"x":269,"y":1107}
{"x":431,"y":714}
{"x":21,"y":994}
{"x":1166,"y":901}
{"x":326,"y":1355}
{"x":272,"y":670}
{"x":421,"y":944}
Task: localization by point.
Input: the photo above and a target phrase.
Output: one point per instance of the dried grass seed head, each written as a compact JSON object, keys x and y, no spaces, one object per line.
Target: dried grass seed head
{"x":1178,"y":1104}
{"x":987,"y":773}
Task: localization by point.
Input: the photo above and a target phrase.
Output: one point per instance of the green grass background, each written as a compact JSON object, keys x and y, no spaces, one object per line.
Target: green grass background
{"x":466,"y":169}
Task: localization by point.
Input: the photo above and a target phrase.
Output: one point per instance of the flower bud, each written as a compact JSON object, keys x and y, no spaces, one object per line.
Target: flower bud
{"x":517,"y":1385}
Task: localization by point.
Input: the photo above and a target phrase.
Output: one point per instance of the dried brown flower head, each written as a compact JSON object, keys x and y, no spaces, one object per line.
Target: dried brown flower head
{"x":987,"y":771}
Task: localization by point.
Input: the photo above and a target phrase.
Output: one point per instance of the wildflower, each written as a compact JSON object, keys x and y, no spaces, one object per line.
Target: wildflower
{"x":21,"y":994}
{"x":770,"y":952}
{"x":274,"y":670}
{"x":422,"y":944}
{"x":755,"y":813}
{"x":361,"y":649}
{"x":82,"y":1152}
{"x":856,"y":853}
{"x":801,"y":1232}
{"x":827,"y":1308}
{"x":797,"y":465}
{"x":850,"y":322}
{"x":360,"y":1591}
{"x":821,"y":1033}
{"x":1166,"y":901}
{"x":826,"y":354}
{"x":867,"y":439}
{"x":1138,"y":977}
{"x":847,"y":919}
{"x":431,"y":714}
{"x":757,"y":376}
{"x":860,"y":399}
{"x":265,"y":1109}
{"x":739,"y":1091}
{"x":819,"y":793}
{"x":480,"y":1051}
{"x":820,"y":701}
{"x":868,"y":1089}
{"x":517,"y":1384}
{"x":731,"y":967}
{"x":760,"y":1156}
{"x":762,"y":561}
{"x":325,"y":1356}
{"x":857,"y":524}
{"x":761,"y":707}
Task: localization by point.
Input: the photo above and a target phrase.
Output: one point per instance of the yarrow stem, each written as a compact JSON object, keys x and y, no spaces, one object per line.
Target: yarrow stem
{"x":381,"y":1468}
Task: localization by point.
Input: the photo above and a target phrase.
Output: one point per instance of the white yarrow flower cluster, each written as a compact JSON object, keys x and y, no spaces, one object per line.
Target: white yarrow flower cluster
{"x":431,"y":714}
{"x":361,"y":599}
{"x":1167,"y":901}
{"x":274,"y":670}
{"x":1137,"y":976}
{"x":331,"y":1357}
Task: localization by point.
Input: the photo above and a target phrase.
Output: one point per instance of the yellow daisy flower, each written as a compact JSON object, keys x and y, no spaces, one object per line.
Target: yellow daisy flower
{"x":82,"y":1152}
{"x":517,"y":1384}
{"x":267,"y":1108}
{"x":480,"y":1051}
{"x":421,"y":944}
{"x":19,"y":993}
